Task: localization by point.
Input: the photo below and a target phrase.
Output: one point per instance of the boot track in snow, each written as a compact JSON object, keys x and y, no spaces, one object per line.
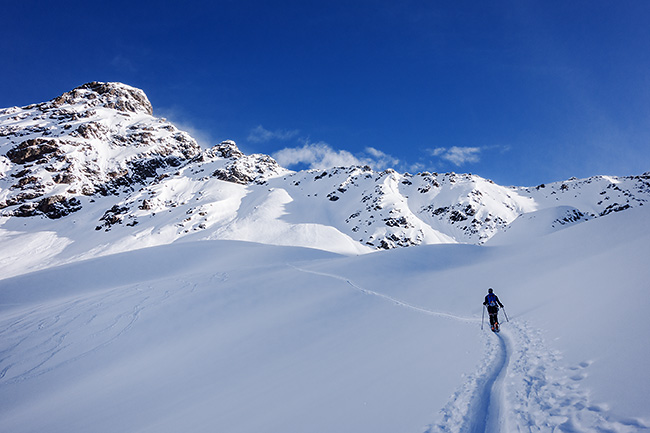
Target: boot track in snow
{"x":520,"y":387}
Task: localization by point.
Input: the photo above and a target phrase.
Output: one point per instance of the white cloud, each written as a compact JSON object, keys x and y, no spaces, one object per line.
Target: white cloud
{"x":375,"y":152}
{"x":315,"y":155}
{"x":259,"y":134}
{"x":458,"y":155}
{"x":321,"y":155}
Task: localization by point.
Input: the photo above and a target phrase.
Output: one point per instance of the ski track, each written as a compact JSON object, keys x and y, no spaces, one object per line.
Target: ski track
{"x":49,"y":336}
{"x":521,"y":386}
{"x":389,"y":298}
{"x":487,"y":415}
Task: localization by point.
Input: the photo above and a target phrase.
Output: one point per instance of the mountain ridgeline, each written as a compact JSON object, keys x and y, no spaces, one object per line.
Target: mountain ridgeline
{"x":98,"y":155}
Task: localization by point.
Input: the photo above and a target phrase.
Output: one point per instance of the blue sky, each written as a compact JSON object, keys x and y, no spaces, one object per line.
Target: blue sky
{"x":521,"y":92}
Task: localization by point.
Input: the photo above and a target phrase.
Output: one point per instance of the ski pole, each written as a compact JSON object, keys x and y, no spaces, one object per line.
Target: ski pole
{"x":482,"y":316}
{"x":504,"y":313}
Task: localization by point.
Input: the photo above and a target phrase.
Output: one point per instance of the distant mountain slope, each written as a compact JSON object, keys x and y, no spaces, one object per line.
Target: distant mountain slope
{"x":96,"y":157}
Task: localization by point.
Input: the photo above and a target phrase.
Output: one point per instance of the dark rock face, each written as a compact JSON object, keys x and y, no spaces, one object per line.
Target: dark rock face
{"x":53,"y":207}
{"x":233,"y":175}
{"x":32,"y":150}
{"x":57,"y":206}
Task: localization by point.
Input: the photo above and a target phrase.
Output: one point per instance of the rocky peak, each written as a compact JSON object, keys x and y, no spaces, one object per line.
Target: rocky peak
{"x":83,"y":143}
{"x":116,"y":96}
{"x":225,"y":149}
{"x":239,"y":167}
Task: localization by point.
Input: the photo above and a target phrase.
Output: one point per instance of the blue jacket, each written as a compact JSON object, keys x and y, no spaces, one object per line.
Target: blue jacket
{"x":492,"y":298}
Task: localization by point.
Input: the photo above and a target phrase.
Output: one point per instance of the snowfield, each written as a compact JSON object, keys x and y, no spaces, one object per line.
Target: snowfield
{"x":232,"y":336}
{"x":150,"y":285}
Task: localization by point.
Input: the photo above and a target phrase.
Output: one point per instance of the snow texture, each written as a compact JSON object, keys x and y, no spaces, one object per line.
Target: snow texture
{"x":208,"y":290}
{"x":242,"y":337}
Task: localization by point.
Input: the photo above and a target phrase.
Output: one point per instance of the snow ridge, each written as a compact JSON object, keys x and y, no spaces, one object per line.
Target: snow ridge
{"x":97,"y":155}
{"x":521,"y":383}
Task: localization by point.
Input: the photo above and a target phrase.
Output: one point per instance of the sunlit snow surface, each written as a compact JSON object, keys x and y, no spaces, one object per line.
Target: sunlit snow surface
{"x":229,"y":336}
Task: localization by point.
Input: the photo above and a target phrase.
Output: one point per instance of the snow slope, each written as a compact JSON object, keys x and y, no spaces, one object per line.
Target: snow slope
{"x":242,"y":337}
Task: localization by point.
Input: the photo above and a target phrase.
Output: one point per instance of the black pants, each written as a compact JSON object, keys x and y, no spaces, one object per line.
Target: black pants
{"x":493,"y":311}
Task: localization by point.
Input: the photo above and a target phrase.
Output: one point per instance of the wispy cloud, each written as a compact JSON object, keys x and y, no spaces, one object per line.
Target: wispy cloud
{"x":380,"y":160}
{"x":321,"y":155}
{"x":458,"y":155}
{"x":202,"y":136}
{"x":259,"y":134}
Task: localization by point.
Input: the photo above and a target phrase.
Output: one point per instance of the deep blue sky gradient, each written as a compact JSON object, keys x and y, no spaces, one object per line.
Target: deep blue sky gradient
{"x":534,"y":91}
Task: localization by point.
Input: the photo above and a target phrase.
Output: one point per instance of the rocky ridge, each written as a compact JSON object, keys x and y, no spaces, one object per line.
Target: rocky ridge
{"x":99,"y":147}
{"x":388,"y":209}
{"x":99,"y":139}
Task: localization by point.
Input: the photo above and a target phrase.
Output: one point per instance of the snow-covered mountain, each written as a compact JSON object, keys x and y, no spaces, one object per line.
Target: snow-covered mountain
{"x":128,"y":301}
{"x":97,"y":140}
{"x":97,"y":158}
{"x":242,"y":337}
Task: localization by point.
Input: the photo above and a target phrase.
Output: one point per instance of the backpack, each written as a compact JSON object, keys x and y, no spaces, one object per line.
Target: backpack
{"x":492,"y":300}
